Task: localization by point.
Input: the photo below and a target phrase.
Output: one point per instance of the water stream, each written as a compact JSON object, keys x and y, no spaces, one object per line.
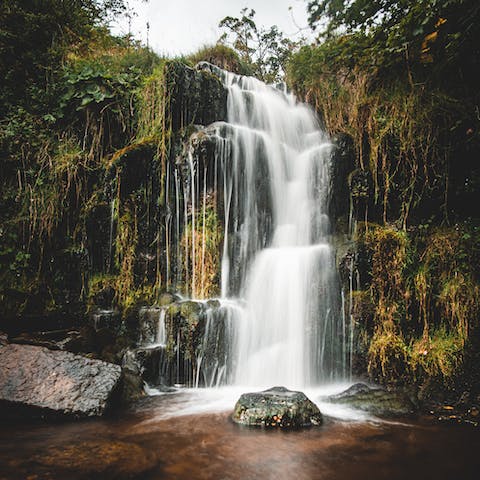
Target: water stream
{"x":279,"y":318}
{"x":277,"y":265}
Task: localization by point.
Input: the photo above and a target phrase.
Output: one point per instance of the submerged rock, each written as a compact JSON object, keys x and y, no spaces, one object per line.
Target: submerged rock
{"x":374,"y":400}
{"x":44,"y":381}
{"x":276,"y":407}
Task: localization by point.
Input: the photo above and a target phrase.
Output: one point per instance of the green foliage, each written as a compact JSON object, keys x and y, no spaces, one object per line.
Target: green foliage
{"x":35,"y":37}
{"x":263,"y":51}
{"x":397,"y":76}
{"x":424,"y":289}
{"x":440,"y":355}
{"x":67,"y":98}
{"x":222,"y":56}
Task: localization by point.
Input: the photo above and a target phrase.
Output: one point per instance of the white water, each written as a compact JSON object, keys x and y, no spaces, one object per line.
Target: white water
{"x":280,"y":320}
{"x":207,"y":400}
{"x":277,"y":255}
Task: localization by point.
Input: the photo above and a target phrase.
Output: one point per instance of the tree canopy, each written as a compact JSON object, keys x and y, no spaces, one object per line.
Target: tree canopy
{"x":266,"y":50}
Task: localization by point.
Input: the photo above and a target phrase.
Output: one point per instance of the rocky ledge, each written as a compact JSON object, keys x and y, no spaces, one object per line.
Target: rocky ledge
{"x":276,"y":407}
{"x":42,"y":382}
{"x":374,"y":400}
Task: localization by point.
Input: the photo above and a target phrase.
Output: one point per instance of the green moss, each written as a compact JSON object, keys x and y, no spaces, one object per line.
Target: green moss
{"x":405,"y":132}
{"x":438,"y":356}
{"x":102,"y":291}
{"x":388,"y":356}
{"x":424,"y":292}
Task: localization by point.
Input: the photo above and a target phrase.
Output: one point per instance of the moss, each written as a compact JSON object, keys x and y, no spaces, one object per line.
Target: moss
{"x":184,"y":324}
{"x":363,"y":308}
{"x":424,"y":293}
{"x":404,"y":133}
{"x":438,"y":356}
{"x":387,"y":356}
{"x":102,"y":291}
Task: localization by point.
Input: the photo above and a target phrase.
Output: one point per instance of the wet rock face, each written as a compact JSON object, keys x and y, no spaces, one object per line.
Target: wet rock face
{"x":44,"y":381}
{"x":197,"y":95}
{"x":276,"y":407}
{"x":375,"y":400}
{"x":343,"y":163}
{"x":186,"y":342}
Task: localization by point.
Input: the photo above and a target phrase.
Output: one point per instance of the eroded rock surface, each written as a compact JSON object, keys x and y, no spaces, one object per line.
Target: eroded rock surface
{"x":276,"y":407}
{"x":47,"y":381}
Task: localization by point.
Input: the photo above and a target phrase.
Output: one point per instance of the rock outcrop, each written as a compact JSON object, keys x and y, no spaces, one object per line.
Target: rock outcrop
{"x":276,"y":407}
{"x":46,"y":382}
{"x":375,"y":400}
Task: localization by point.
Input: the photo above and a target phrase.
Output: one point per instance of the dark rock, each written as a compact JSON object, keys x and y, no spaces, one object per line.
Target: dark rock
{"x":343,"y":163}
{"x":3,"y":338}
{"x":197,"y":96}
{"x":110,"y":319}
{"x":132,"y":387}
{"x":55,"y":382}
{"x":375,"y":400}
{"x":186,"y":342}
{"x":146,"y":362}
{"x":276,"y":407}
{"x":155,"y":366}
{"x":149,"y":321}
{"x":355,"y":389}
{"x":67,"y":339}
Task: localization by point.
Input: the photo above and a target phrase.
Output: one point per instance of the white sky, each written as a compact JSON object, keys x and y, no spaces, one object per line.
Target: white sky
{"x":183,"y":26}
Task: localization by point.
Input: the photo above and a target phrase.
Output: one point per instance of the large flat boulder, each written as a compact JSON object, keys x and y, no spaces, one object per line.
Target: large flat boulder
{"x":55,"y":382}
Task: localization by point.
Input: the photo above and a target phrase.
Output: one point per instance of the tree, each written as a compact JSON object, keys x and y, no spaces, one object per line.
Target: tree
{"x":36,"y":34}
{"x":442,"y":33}
{"x":266,"y":50}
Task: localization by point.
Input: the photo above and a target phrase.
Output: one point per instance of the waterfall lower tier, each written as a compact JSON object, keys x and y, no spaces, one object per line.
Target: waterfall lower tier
{"x":287,"y":327}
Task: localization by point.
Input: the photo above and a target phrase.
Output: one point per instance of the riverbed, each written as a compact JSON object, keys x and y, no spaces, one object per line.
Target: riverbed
{"x":188,"y":435}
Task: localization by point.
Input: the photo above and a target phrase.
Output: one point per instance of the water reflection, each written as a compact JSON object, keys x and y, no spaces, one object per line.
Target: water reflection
{"x":158,"y":439}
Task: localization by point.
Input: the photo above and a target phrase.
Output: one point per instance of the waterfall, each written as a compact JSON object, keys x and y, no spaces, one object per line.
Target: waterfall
{"x":280,"y":319}
{"x":277,"y":256}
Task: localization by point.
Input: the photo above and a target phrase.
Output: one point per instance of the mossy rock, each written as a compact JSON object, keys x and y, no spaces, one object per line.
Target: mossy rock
{"x":277,"y":407}
{"x":375,"y":400}
{"x":191,"y":311}
{"x":167,"y":298}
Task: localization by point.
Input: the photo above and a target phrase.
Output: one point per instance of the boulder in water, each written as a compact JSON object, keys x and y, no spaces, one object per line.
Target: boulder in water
{"x":276,"y":407}
{"x":43,"y":381}
{"x":375,"y":400}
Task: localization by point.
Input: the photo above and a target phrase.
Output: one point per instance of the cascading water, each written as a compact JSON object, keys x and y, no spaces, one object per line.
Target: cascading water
{"x":276,"y":253}
{"x":279,"y":319}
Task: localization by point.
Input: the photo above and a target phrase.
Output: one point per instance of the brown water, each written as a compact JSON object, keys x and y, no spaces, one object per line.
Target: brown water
{"x":143,"y":444}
